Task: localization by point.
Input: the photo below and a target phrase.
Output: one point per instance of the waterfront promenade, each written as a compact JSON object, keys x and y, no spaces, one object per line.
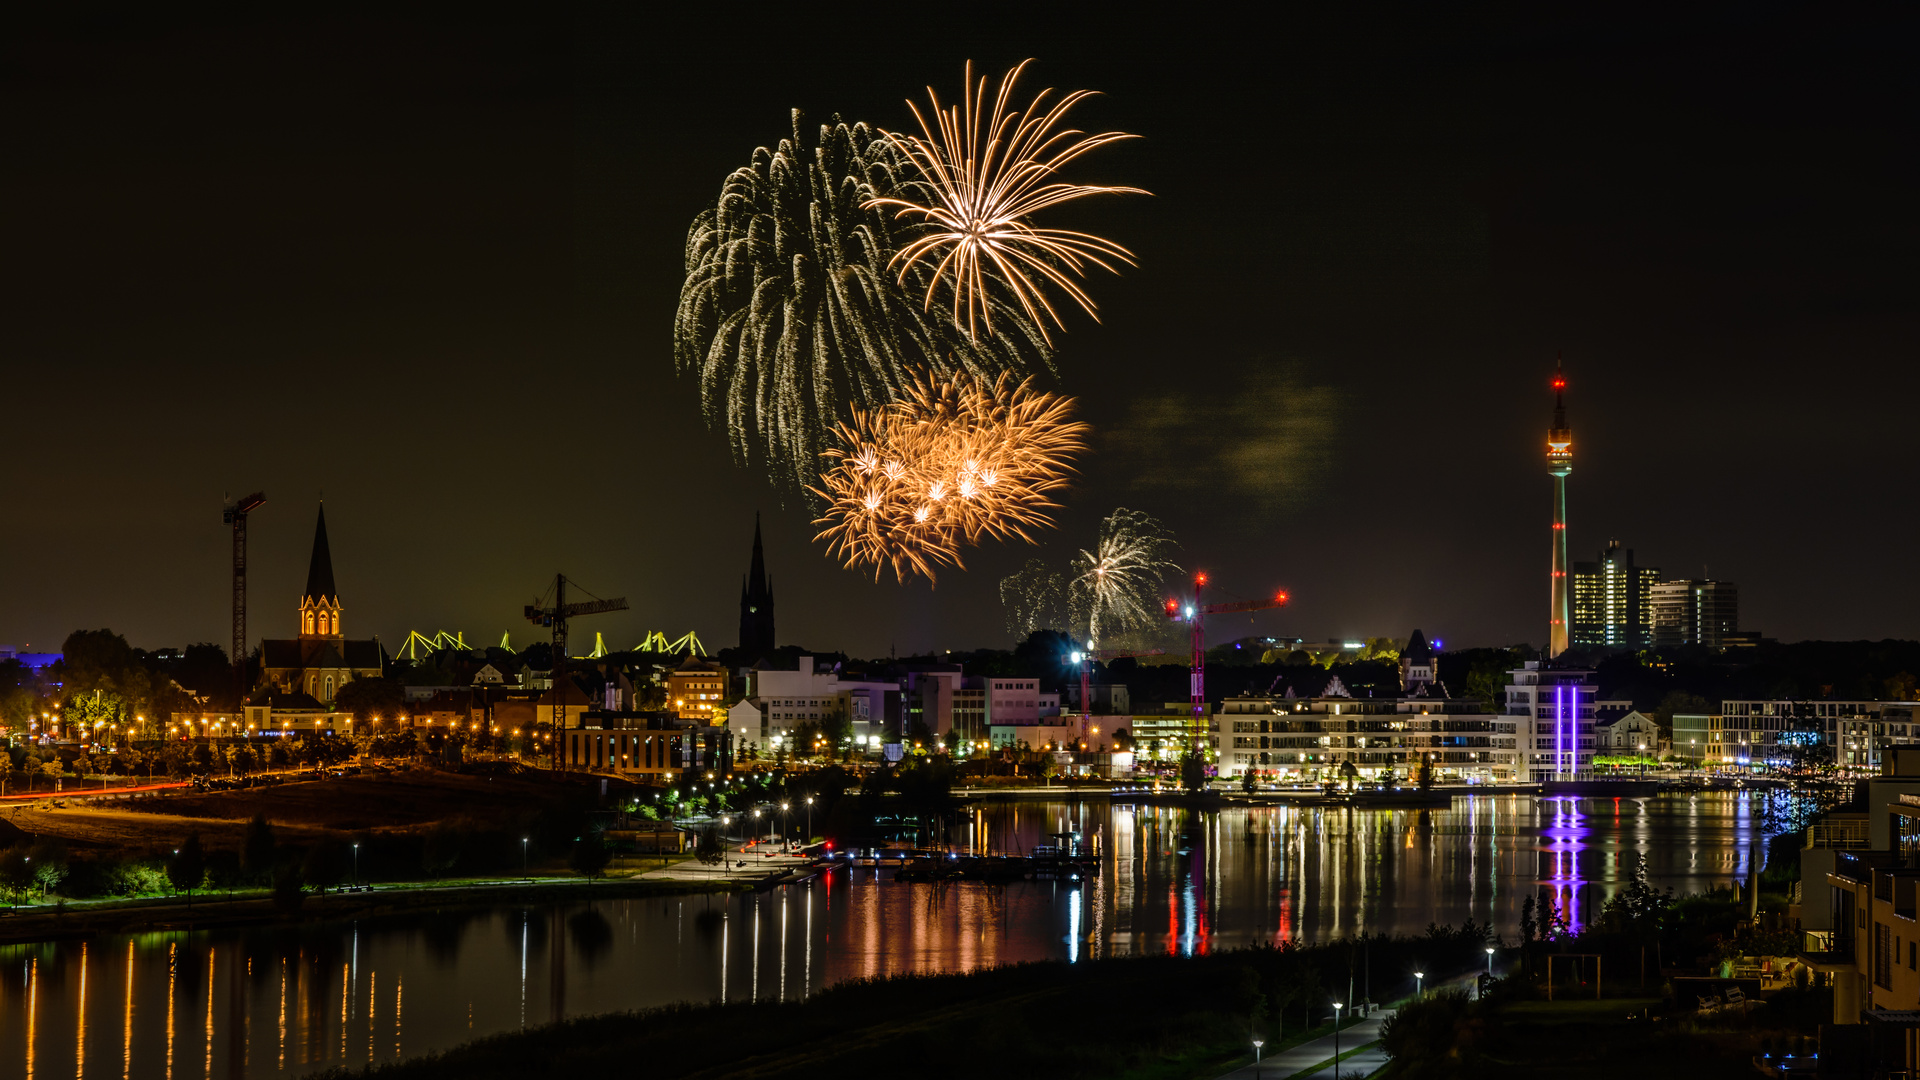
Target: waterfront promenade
{"x":1300,"y":1061}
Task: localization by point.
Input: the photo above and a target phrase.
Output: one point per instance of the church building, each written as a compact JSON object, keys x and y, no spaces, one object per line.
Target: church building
{"x":322,"y":659}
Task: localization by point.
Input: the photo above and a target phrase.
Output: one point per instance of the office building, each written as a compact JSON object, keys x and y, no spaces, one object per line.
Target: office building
{"x":1613,"y":600}
{"x":1695,"y":612}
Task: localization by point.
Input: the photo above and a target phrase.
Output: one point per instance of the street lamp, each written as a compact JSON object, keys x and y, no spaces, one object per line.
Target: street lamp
{"x":1336,"y":1041}
{"x":809,"y":819}
{"x":356,"y":865}
{"x":523,"y":858}
{"x":1489,"y":959}
{"x":1257,"y":1044}
{"x":1420,"y":982}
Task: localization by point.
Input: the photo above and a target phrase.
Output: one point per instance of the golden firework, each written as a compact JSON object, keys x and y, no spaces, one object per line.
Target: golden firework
{"x":985,"y":171}
{"x":954,"y":461}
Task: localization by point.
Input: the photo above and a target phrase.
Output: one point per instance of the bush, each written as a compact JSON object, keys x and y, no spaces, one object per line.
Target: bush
{"x":1440,"y":1035}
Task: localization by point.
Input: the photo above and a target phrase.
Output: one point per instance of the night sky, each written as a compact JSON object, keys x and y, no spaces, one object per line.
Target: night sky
{"x":429,"y":270}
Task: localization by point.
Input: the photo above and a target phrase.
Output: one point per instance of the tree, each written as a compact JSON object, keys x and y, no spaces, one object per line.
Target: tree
{"x":325,"y":864}
{"x":590,"y":856}
{"x":16,"y":869}
{"x":48,"y":865}
{"x":188,"y":866}
{"x":258,"y":850}
{"x":710,"y":850}
{"x":440,"y":851}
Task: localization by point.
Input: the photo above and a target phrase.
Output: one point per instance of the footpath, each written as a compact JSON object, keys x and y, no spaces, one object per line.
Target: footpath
{"x":1301,"y":1061}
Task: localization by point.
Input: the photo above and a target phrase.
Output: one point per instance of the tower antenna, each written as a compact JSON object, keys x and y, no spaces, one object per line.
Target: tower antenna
{"x":1559,"y":464}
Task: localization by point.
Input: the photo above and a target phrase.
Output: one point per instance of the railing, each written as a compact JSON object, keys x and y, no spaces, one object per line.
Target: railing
{"x":1840,"y":834}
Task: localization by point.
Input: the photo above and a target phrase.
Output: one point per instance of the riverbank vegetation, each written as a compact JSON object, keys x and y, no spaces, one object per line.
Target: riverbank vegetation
{"x":1159,"y":1017}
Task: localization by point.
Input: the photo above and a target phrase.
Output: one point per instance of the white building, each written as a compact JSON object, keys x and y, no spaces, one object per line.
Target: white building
{"x":1334,"y":737}
{"x":1632,"y":732}
{"x":1554,"y":729}
{"x":782,"y":702}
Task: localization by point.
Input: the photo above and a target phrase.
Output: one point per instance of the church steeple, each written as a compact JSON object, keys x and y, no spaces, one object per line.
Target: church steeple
{"x":320,"y":604}
{"x":756,"y":601}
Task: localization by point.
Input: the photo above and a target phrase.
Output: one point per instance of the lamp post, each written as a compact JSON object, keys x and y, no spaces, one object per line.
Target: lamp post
{"x":356,"y":865}
{"x":1336,"y":1041}
{"x":809,"y":819}
{"x":726,"y":861}
{"x":523,"y":858}
{"x":1257,"y":1044}
{"x":1489,"y":959}
{"x":1419,"y":984}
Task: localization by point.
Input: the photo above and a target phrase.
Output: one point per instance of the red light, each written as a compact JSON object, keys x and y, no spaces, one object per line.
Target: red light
{"x":1281,"y":597}
{"x":1173,"y":606}
{"x":1559,"y":383}
{"x":1201,"y":577}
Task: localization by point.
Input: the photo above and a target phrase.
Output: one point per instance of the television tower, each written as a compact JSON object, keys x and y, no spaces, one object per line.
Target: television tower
{"x":1559,"y":464}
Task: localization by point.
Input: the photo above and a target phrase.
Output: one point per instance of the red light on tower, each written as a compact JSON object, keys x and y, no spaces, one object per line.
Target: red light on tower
{"x":1559,"y":383}
{"x":1280,"y":597}
{"x":1200,"y":578}
{"x":1173,"y":607}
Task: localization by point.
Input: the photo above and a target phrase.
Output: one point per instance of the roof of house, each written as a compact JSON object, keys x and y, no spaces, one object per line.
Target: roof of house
{"x":1417,"y":650}
{"x":297,"y":653}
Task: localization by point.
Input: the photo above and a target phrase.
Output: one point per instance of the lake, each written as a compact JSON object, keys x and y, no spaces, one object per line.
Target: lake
{"x":286,"y":1001}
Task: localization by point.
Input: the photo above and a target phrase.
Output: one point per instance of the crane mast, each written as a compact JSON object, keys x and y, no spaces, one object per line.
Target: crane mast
{"x":1196,"y":614}
{"x":235,"y":515}
{"x":556,"y":618}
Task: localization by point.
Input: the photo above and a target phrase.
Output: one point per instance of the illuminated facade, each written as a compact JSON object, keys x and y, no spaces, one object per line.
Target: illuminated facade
{"x":1559,"y":464}
{"x":322,"y":659}
{"x":1613,"y":600}
{"x":697,"y":691}
{"x":1330,"y":738}
{"x":1553,"y":728}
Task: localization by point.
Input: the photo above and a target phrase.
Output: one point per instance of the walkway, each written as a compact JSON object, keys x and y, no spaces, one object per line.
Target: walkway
{"x":1295,"y":1061}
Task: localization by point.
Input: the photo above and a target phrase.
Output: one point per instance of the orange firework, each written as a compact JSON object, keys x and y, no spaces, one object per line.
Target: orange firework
{"x":955,"y":461}
{"x":984,"y":172}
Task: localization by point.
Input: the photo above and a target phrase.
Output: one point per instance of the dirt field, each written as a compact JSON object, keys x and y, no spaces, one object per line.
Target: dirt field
{"x":299,"y":811}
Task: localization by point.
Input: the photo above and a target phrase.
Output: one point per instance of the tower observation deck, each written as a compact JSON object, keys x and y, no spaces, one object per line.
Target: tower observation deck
{"x":1559,"y":464}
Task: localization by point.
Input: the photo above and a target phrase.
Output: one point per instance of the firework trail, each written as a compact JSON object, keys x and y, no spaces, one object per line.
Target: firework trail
{"x":1035,"y":597}
{"x":793,"y":312}
{"x":1116,"y":586}
{"x":986,"y":169}
{"x":954,"y":462}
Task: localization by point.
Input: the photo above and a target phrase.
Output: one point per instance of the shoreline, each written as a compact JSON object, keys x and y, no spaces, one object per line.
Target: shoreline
{"x":169,"y":915}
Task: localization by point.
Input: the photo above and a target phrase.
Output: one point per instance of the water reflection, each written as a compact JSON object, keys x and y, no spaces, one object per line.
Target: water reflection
{"x":286,"y":1001}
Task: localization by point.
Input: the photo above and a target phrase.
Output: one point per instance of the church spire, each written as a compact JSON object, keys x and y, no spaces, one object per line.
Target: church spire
{"x":320,"y":570}
{"x":756,"y":601}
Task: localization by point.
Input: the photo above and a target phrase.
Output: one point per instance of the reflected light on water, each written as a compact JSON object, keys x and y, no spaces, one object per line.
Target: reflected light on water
{"x":1177,"y":882}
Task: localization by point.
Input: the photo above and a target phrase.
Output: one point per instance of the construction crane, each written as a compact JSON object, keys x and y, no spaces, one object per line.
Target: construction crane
{"x":555,"y":617}
{"x":1085,"y":659}
{"x":235,"y":515}
{"x":1196,"y":614}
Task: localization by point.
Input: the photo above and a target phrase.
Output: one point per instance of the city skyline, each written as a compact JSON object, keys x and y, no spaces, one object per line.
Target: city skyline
{"x":465,"y":343}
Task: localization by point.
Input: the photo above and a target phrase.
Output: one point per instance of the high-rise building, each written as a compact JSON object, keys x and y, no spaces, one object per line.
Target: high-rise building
{"x":1559,"y":464}
{"x":756,"y":603}
{"x":1695,"y":612}
{"x":1613,"y":600}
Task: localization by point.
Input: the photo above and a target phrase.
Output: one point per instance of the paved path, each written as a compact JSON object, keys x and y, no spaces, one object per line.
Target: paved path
{"x":1296,"y":1060}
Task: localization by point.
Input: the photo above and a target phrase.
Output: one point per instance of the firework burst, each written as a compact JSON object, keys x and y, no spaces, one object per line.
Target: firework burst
{"x":1116,"y":586}
{"x":793,"y":312}
{"x":954,"y":462}
{"x":986,"y":169}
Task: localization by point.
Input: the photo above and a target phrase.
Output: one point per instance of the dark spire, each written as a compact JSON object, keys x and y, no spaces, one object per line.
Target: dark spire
{"x":1417,"y":649}
{"x":320,"y":570}
{"x":757,"y":574}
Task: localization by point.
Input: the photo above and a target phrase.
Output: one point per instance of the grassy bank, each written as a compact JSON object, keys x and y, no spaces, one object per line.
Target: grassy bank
{"x":1142,"y":1018}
